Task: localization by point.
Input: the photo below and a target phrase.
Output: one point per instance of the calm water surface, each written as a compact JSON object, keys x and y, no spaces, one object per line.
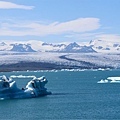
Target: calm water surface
{"x":76,"y":95}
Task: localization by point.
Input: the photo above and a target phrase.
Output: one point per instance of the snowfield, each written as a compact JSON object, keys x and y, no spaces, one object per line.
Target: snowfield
{"x":75,"y":60}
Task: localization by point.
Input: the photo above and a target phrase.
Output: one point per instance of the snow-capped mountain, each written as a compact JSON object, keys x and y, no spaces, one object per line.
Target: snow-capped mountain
{"x":22,"y":48}
{"x":105,"y":46}
{"x":74,"y":47}
{"x":4,"y":46}
{"x":99,"y":46}
{"x":56,"y":56}
{"x":31,"y":46}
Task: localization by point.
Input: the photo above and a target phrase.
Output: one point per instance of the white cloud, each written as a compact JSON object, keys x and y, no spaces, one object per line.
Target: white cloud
{"x":78,"y":25}
{"x":37,"y":29}
{"x":87,"y":36}
{"x":83,"y":36}
{"x":109,"y":37}
{"x":9,"y":5}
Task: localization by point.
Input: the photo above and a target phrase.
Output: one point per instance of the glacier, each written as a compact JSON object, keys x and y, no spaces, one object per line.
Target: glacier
{"x":12,"y":61}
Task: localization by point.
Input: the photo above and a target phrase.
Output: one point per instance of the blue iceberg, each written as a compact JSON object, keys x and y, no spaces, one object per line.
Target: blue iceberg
{"x":34,"y":88}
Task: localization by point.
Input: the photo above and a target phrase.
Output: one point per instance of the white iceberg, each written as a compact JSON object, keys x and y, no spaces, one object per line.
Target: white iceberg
{"x":110,"y":80}
{"x":34,"y":88}
{"x":103,"y":81}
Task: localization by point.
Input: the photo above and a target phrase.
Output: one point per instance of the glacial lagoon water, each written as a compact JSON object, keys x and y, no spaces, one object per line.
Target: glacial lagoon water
{"x":75,"y":95}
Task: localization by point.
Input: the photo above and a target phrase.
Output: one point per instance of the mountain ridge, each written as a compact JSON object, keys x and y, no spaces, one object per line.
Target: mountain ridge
{"x":99,"y":46}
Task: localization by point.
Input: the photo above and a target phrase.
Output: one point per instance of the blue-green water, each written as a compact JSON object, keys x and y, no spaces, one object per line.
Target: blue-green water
{"x":76,"y":95}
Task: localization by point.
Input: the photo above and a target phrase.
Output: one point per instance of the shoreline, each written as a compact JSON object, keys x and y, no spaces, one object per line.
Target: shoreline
{"x":24,"y":66}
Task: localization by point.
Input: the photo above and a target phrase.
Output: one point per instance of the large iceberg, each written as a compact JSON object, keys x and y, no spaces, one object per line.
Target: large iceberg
{"x":34,"y":88}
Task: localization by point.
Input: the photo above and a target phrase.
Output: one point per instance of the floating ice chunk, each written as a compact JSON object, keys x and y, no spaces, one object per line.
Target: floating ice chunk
{"x":103,"y":81}
{"x":115,"y":81}
{"x":114,"y":78}
{"x":110,"y":80}
{"x":1,"y":98}
{"x":100,"y":69}
{"x":34,"y":88}
{"x":22,"y":76}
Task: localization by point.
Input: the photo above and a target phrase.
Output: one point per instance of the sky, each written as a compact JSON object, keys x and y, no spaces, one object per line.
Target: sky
{"x":56,"y":21}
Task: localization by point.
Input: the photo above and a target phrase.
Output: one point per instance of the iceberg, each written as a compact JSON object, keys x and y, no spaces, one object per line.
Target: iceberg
{"x":110,"y":80}
{"x":34,"y":88}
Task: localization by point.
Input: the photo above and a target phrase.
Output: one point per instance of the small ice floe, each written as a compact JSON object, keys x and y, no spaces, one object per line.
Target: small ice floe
{"x":110,"y":80}
{"x":34,"y":88}
{"x":101,"y":69}
{"x":22,"y":76}
{"x":114,"y":79}
{"x":103,"y":81}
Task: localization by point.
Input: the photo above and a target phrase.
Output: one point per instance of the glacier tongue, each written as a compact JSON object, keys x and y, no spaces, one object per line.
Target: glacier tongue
{"x":47,"y":60}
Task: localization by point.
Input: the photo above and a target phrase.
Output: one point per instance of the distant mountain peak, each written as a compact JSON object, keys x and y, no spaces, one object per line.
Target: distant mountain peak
{"x":2,"y":44}
{"x":21,"y":48}
{"x":43,"y":44}
{"x":74,"y":44}
{"x":74,"y":47}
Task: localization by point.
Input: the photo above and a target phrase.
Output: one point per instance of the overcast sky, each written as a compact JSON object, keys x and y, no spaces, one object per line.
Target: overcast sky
{"x":60,"y":20}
